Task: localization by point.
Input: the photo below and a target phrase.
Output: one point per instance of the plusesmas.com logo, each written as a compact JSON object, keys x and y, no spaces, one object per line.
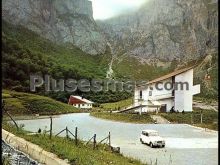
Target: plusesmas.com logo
{"x":97,"y":85}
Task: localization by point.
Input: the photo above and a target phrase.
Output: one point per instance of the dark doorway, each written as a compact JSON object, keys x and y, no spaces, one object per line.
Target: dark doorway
{"x":163,"y":108}
{"x":173,"y":92}
{"x":140,"y":94}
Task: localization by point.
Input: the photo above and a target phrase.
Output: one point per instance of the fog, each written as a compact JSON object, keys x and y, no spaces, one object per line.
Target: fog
{"x":103,"y":9}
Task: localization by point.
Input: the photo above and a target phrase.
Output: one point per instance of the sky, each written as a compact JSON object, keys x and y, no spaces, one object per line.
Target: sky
{"x":103,"y":9}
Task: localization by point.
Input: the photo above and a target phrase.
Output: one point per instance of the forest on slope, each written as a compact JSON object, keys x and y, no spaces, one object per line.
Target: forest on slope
{"x":25,"y":52}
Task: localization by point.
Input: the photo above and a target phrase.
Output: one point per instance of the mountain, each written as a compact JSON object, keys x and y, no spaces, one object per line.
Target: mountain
{"x":67,"y":22}
{"x":158,"y":32}
{"x":61,"y":38}
{"x":26,"y":53}
{"x":168,"y":34}
{"x":165,"y":30}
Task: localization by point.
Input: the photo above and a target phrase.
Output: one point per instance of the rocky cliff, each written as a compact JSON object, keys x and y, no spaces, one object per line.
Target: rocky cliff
{"x":165,"y":30}
{"x":66,"y":22}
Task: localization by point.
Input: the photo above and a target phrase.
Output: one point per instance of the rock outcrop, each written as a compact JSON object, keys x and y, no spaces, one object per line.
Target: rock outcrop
{"x":65,"y":22}
{"x":166,"y":30}
{"x":161,"y":30}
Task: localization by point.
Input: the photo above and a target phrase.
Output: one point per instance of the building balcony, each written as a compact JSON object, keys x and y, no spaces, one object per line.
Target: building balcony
{"x":162,"y":96}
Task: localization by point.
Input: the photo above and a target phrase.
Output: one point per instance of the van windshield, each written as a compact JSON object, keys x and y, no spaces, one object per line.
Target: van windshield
{"x":153,"y":134}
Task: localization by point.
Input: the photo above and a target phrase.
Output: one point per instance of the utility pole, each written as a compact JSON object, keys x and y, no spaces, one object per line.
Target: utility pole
{"x":51,"y":126}
{"x":141,"y":106}
{"x":191,"y":118}
{"x":109,"y":139}
{"x":201,"y":115}
{"x":5,"y":110}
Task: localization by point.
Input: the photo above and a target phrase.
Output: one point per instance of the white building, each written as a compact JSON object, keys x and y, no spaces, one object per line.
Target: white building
{"x":79,"y":102}
{"x":175,"y":90}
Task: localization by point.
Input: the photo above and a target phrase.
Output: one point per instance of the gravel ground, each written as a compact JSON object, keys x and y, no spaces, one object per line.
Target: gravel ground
{"x":15,"y":157}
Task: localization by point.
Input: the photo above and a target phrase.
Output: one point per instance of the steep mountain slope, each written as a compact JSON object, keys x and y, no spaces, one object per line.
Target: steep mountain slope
{"x":25,"y":53}
{"x":70,"y":21}
{"x":164,"y":30}
{"x":20,"y":43}
{"x":52,"y":36}
{"x":206,"y":74}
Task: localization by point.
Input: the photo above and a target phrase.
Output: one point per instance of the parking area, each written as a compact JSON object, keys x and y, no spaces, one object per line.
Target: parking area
{"x":185,"y":145}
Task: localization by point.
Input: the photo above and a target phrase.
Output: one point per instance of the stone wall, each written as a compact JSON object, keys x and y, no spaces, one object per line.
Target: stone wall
{"x":34,"y":151}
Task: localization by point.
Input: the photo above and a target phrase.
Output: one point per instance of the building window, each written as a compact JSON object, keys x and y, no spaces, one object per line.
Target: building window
{"x":173,"y":92}
{"x":150,"y":93}
{"x":140,"y":94}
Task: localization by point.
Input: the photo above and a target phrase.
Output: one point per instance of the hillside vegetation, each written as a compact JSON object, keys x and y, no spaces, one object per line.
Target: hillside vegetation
{"x":124,"y":117}
{"x":25,"y":53}
{"x":210,"y":118}
{"x":117,"y":105}
{"x":19,"y":103}
{"x":81,"y":154}
{"x":208,"y":66}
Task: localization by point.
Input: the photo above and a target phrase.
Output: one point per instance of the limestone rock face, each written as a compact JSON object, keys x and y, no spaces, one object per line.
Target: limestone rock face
{"x":166,"y":30}
{"x":65,"y":22}
{"x":160,"y":30}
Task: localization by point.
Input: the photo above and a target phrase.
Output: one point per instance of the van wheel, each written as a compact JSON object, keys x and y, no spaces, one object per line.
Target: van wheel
{"x":163,"y":146}
{"x":151,"y":145}
{"x":141,"y":141}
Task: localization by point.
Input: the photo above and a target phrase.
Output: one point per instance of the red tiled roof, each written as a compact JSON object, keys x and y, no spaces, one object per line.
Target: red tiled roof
{"x":74,"y":100}
{"x":78,"y":100}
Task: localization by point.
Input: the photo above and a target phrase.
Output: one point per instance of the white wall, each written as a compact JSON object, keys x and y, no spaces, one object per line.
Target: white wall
{"x":184,"y":98}
{"x":83,"y":106}
{"x":168,"y":102}
{"x":137,"y":96}
{"x":157,"y":94}
{"x":196,"y":89}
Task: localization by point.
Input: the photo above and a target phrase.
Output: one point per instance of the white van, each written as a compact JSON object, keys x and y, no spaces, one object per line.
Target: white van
{"x":152,"y":138}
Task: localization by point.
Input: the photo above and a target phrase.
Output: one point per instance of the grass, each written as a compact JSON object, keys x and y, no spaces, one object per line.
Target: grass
{"x":124,"y":117}
{"x":19,"y":103}
{"x":131,"y":68}
{"x":5,"y":160}
{"x":116,"y":105}
{"x":205,"y":100}
{"x":210,"y":118}
{"x":77,"y":155}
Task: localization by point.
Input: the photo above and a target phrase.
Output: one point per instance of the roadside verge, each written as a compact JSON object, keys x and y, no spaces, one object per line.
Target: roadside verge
{"x":34,"y":151}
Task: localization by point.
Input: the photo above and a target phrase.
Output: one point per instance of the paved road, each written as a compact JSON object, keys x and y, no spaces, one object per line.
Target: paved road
{"x":202,"y":105}
{"x":185,"y":145}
